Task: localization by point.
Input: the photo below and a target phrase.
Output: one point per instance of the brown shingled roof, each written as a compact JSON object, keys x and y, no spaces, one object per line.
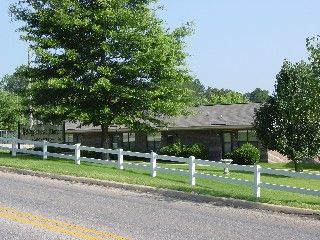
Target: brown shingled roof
{"x":216,"y":116}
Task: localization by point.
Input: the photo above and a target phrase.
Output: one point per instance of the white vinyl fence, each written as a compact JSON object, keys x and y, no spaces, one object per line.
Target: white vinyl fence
{"x":191,"y":173}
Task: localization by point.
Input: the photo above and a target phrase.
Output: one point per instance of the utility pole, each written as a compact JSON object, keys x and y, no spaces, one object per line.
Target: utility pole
{"x":29,"y":88}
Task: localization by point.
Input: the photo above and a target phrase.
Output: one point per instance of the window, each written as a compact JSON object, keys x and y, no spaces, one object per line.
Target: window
{"x":128,"y":141}
{"x":242,"y":136}
{"x":247,"y":136}
{"x":252,"y":136}
{"x":170,"y":139}
{"x":69,"y":138}
{"x":227,"y":147}
{"x":116,"y":141}
{"x":153,"y":142}
{"x":233,"y":140}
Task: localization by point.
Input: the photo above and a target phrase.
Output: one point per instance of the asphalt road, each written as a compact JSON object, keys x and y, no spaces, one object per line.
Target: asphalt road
{"x":37,"y":208}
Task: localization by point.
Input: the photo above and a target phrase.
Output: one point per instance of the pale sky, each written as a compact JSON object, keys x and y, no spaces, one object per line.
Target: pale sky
{"x":237,"y":44}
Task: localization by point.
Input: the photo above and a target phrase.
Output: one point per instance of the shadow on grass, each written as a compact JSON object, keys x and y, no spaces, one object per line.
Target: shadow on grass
{"x":304,"y":166}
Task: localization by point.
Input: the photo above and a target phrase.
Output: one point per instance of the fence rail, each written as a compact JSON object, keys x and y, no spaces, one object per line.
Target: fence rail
{"x":191,"y":173}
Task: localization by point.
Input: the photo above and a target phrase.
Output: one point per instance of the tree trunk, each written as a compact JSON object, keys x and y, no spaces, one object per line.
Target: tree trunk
{"x":297,"y":166}
{"x":105,"y":140}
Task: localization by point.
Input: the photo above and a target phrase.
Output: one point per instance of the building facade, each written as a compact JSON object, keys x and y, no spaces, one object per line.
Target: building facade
{"x":221,"y":128}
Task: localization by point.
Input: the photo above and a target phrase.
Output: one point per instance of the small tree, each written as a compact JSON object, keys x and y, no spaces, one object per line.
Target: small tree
{"x":289,"y":121}
{"x":19,"y":87}
{"x":11,"y":111}
{"x":15,"y":83}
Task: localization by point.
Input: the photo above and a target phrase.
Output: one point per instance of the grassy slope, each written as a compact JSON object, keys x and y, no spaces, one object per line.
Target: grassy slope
{"x":175,"y":182}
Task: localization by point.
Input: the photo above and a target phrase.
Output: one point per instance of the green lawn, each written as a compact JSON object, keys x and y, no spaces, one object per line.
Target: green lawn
{"x":180,"y":183}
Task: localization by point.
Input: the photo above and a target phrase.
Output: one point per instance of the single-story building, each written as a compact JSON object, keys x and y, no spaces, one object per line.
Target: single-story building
{"x":221,"y":128}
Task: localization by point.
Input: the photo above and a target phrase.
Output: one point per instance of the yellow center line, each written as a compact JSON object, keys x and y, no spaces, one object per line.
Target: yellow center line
{"x":48,"y":227}
{"x":57,"y":226}
{"x":64,"y":224}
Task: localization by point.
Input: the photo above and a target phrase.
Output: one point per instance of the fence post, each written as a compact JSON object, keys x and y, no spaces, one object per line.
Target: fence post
{"x":256,"y":181}
{"x":192,"y":171}
{"x":153,"y":164}
{"x":77,"y":153}
{"x":14,"y":148}
{"x":44,"y":149}
{"x":120,"y":159}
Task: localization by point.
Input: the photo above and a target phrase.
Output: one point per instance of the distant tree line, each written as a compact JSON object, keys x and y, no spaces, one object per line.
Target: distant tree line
{"x":212,"y":96}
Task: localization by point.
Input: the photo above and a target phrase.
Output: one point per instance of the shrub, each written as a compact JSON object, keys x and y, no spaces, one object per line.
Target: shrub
{"x":176,"y":149}
{"x":247,"y":154}
{"x":180,"y":150}
{"x":54,"y":149}
{"x":198,"y":151}
{"x":228,"y":155}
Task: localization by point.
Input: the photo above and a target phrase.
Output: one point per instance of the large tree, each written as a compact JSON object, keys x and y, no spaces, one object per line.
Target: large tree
{"x":289,"y":122}
{"x":104,"y":62}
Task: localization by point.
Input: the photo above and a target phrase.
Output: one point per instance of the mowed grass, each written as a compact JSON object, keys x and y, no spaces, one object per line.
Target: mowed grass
{"x":180,"y":183}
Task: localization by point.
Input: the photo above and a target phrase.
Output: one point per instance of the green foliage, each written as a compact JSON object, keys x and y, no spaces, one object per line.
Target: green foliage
{"x":16,"y":82}
{"x":289,"y":121}
{"x":203,"y":96}
{"x":104,"y":62}
{"x":198,"y":92}
{"x":212,"y":96}
{"x":224,"y":96}
{"x":11,"y":111}
{"x":180,"y":150}
{"x":198,"y":151}
{"x":175,"y":149}
{"x":258,"y":95}
{"x":247,"y":154}
{"x":18,"y":86}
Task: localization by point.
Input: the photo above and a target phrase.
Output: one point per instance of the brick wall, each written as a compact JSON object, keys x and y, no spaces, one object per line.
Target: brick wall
{"x":209,"y":138}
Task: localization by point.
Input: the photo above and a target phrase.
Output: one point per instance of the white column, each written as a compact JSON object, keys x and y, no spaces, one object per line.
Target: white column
{"x":44,"y":150}
{"x":192,"y":171}
{"x":120,"y":159}
{"x":257,"y":180}
{"x":77,"y":153}
{"x":153,"y":164}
